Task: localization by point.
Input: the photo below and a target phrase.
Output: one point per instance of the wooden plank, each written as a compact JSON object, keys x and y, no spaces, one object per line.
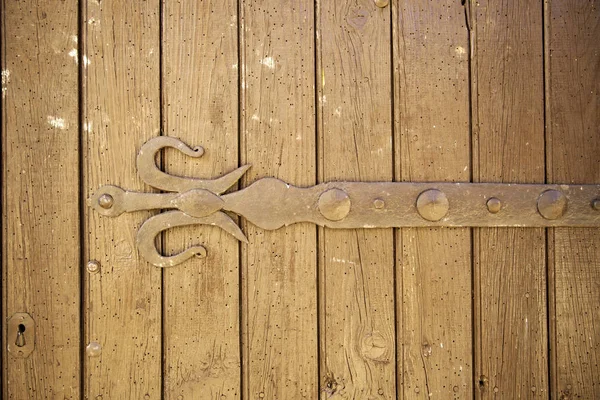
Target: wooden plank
{"x":40,"y":197}
{"x":573,"y":155}
{"x":431,"y":98}
{"x":509,"y":264}
{"x":278,"y":138}
{"x":201,"y":296}
{"x":356,"y":287}
{"x":121,"y":111}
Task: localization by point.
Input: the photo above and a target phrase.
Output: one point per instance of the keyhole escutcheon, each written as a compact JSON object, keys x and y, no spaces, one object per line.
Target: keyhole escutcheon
{"x":20,"y":332}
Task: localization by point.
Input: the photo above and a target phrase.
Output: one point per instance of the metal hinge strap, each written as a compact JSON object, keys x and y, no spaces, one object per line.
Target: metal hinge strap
{"x":270,"y":203}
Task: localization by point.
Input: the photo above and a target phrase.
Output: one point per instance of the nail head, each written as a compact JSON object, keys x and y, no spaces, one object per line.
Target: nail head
{"x":93,"y":349}
{"x":552,"y":204}
{"x":432,"y":205}
{"x":494,"y":205}
{"x":334,"y":204}
{"x":106,"y":201}
{"x":93,"y":266}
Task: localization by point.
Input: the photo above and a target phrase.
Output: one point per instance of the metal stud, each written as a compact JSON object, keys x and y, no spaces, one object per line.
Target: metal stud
{"x":378,"y":203}
{"x":552,"y":204}
{"x":494,"y":205}
{"x":93,"y":266}
{"x":334,"y":204}
{"x":432,"y":205}
{"x":93,"y":349}
{"x":106,"y":201}
{"x":382,"y":3}
{"x":596,"y":204}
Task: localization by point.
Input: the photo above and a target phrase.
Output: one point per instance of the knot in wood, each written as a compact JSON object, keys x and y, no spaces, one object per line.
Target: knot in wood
{"x":375,"y":347}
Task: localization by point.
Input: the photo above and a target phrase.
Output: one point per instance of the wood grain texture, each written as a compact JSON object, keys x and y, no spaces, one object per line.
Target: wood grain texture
{"x":573,"y":155}
{"x":278,"y":138}
{"x":201,"y":296}
{"x":356,"y":285}
{"x":431,"y":98}
{"x":509,"y":264}
{"x":40,"y":195}
{"x":122,"y":111}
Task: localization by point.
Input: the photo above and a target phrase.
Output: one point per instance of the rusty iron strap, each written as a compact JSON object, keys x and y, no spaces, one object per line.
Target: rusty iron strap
{"x":270,"y":203}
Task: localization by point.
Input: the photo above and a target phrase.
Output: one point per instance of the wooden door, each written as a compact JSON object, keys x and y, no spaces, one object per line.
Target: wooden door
{"x":307,"y":92}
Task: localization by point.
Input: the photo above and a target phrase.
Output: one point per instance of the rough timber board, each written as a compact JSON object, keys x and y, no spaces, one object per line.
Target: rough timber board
{"x":40,"y":196}
{"x":201,"y":297}
{"x":510,"y":269}
{"x":356,"y":290}
{"x":279,"y":298}
{"x":122,"y":301}
{"x":431,"y":99}
{"x":573,"y":155}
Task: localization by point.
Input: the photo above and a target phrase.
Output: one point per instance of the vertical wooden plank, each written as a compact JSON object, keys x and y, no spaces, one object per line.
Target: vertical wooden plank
{"x":122,"y":109}
{"x":355,"y":143}
{"x":573,"y":151}
{"x":432,"y":130}
{"x":201,"y":309}
{"x":510,"y":271}
{"x":40,"y":195}
{"x":278,"y":139}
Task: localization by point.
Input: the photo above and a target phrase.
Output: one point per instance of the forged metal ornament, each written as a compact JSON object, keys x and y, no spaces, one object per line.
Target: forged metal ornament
{"x":270,"y":203}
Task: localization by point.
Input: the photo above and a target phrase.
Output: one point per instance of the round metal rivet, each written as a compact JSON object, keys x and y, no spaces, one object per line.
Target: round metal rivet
{"x":334,"y":204}
{"x":106,"y":201}
{"x":381,"y":3}
{"x":596,"y":204}
{"x":378,"y":204}
{"x":552,"y":204}
{"x":93,"y":266}
{"x":93,"y":349}
{"x":494,"y":205}
{"x":432,"y":205}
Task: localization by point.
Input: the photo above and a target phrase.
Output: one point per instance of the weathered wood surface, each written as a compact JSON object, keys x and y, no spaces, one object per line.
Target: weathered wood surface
{"x":306,"y":92}
{"x":200,"y":106}
{"x":509,"y":264}
{"x":279,"y":298}
{"x":356,"y":285}
{"x":573,"y":155}
{"x":121,"y":110}
{"x":431,"y":100}
{"x":40,"y":196}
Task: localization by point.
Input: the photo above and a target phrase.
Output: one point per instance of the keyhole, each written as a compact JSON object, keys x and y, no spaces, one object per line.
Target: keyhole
{"x":20,"y":342}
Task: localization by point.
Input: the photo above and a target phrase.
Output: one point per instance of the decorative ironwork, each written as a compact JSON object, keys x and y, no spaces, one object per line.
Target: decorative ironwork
{"x":270,"y":203}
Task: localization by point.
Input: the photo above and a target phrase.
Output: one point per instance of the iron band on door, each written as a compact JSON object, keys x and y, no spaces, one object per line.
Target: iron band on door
{"x":270,"y":203}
